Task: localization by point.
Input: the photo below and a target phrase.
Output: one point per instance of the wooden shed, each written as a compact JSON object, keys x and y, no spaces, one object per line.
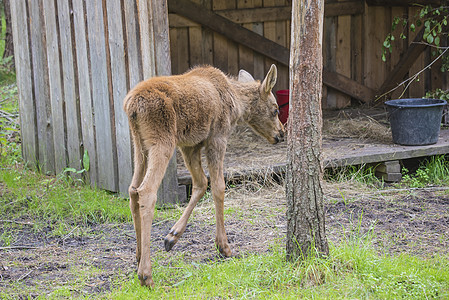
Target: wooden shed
{"x":77,"y":59}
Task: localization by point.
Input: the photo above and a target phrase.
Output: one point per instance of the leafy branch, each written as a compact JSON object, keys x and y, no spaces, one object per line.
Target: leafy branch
{"x":434,"y":20}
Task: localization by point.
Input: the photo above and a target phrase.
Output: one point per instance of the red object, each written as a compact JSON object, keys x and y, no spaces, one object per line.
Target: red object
{"x":282,"y":99}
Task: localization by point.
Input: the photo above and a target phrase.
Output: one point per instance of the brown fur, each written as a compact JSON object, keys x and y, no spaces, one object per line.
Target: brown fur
{"x":194,"y":110}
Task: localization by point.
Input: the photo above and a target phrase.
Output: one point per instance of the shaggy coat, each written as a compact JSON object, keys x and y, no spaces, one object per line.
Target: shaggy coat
{"x":195,"y":110}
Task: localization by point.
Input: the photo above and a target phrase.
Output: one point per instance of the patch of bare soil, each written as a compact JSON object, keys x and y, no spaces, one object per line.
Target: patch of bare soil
{"x":415,"y":222}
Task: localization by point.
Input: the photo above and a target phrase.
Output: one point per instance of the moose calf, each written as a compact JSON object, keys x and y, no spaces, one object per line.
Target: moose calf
{"x":195,"y":110}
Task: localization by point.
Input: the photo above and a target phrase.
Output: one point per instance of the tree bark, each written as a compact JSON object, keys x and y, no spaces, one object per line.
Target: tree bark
{"x":305,"y":213}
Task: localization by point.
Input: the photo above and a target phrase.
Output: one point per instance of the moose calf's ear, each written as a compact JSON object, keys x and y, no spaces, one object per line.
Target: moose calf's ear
{"x":270,"y":80}
{"x":245,"y":76}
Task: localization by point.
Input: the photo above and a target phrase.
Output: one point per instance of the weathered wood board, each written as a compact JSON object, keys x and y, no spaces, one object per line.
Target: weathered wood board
{"x":76,"y":61}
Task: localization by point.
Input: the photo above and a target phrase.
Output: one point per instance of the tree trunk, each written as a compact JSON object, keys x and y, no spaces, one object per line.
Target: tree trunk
{"x":305,"y":212}
{"x":9,"y":46}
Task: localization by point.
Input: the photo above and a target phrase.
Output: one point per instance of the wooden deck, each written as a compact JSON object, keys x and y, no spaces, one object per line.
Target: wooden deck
{"x":251,"y":159}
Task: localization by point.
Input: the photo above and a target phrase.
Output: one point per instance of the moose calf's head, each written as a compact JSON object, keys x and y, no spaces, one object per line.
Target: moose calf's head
{"x":263,"y":114}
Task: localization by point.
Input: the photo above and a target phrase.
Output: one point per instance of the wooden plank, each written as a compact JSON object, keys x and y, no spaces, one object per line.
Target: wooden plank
{"x":436,"y":75}
{"x":119,"y":91}
{"x":253,"y":15}
{"x":195,"y":42}
{"x":282,"y":12}
{"x":173,"y":50}
{"x":132,"y":43}
{"x":402,"y":2}
{"x":259,"y":67}
{"x":403,"y":66}
{"x":207,"y":38}
{"x":417,"y":87}
{"x":343,"y":56}
{"x":56,"y":89}
{"x":182,"y":50}
{"x":220,"y":53}
{"x":22,"y":58}
{"x":344,"y":8}
{"x":329,"y":54}
{"x":161,"y":38}
{"x":399,"y":47}
{"x":348,"y":86}
{"x":195,"y":47}
{"x":375,"y":69}
{"x":176,"y":21}
{"x":69,"y":81}
{"x":245,"y":55}
{"x":348,"y":155}
{"x":146,"y":38}
{"x":100,"y":96}
{"x":357,"y":48}
{"x":281,"y":38}
{"x":41,"y":89}
{"x":269,"y":33}
{"x":84,"y":88}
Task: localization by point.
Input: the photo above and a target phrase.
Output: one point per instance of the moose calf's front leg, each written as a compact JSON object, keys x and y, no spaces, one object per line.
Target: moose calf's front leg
{"x":221,"y":240}
{"x":215,"y":163}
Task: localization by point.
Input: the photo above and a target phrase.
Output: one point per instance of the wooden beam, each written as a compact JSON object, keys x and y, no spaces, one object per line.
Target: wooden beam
{"x":255,"y":15}
{"x":402,"y":2}
{"x":348,"y":86}
{"x":269,"y":14}
{"x":264,"y":46}
{"x":396,"y":76}
{"x":354,"y":7}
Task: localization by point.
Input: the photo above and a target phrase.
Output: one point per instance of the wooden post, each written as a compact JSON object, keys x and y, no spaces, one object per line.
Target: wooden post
{"x":305,"y":212}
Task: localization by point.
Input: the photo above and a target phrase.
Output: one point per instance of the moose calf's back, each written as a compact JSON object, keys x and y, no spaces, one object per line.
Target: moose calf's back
{"x":187,"y":108}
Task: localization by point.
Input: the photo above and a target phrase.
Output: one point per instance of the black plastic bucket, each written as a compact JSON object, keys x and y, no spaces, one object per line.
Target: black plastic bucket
{"x":415,"y":121}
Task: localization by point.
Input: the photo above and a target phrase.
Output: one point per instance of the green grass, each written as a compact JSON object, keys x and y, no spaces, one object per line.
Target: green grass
{"x":35,"y":196}
{"x":432,"y":171}
{"x":364,"y":174}
{"x":353,"y":270}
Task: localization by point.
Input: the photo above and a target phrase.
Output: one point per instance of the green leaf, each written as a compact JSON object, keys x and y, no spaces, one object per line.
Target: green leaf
{"x":437,"y":41}
{"x":412,"y":27}
{"x":66,"y":170}
{"x":86,"y":160}
{"x":430,"y":39}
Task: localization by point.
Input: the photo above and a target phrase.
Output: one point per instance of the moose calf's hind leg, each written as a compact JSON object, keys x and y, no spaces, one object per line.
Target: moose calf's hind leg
{"x":139,"y":172}
{"x":158,"y":158}
{"x":192,"y":159}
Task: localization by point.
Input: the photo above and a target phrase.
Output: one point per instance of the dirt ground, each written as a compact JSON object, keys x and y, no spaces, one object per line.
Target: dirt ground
{"x":413,"y":221}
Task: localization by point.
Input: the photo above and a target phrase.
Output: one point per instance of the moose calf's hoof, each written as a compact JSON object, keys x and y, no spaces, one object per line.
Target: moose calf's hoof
{"x":146,"y":281}
{"x":225,"y":251}
{"x":169,"y":242}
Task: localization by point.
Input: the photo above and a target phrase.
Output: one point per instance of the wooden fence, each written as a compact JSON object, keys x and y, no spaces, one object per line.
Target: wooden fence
{"x":75,"y":61}
{"x":352,"y":45}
